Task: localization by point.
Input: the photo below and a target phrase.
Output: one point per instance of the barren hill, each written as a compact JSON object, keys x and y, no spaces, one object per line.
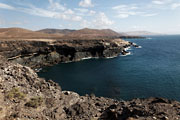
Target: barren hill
{"x":66,"y":34}
{"x":23,"y":33}
{"x":141,"y":33}
{"x":56,"y":31}
{"x":7,"y":33}
{"x":92,"y":33}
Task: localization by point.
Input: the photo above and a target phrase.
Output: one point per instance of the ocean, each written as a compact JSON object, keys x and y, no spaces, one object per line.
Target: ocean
{"x":150,"y":71}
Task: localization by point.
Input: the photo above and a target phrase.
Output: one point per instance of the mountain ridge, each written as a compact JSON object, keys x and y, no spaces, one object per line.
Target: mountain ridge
{"x":48,"y":33}
{"x":142,"y":33}
{"x":56,"y":31}
{"x":23,"y":33}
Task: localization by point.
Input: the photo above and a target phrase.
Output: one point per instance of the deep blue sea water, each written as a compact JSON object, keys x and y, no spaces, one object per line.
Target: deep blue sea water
{"x":152,"y":71}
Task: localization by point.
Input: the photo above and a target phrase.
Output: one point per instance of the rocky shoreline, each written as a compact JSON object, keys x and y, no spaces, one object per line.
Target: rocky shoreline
{"x":25,"y":96}
{"x":40,"y":53}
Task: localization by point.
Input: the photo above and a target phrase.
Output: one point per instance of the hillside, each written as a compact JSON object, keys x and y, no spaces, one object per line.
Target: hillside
{"x":92,"y":33}
{"x":141,"y":33}
{"x":56,"y":31}
{"x":8,"y":33}
{"x":66,"y":34}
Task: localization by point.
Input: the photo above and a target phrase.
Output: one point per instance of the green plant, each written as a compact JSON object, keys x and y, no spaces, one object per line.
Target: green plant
{"x":15,"y":93}
{"x":35,"y":102}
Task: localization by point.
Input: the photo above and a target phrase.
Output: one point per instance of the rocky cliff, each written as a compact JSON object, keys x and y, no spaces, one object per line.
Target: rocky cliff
{"x":38,"y":53}
{"x":25,"y":96}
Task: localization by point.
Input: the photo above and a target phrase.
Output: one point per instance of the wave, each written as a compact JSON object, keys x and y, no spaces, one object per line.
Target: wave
{"x":86,"y":58}
{"x":38,"y":69}
{"x":111,"y":57}
{"x":128,"y":48}
{"x":129,"y":53}
{"x":139,"y":47}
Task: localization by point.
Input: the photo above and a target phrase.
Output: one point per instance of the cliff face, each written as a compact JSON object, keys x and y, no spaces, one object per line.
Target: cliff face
{"x":38,"y":53}
{"x":24,"y":96}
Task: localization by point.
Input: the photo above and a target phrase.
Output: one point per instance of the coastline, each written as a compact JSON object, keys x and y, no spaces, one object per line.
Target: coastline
{"x":55,"y":104}
{"x":29,"y":96}
{"x":37,"y":54}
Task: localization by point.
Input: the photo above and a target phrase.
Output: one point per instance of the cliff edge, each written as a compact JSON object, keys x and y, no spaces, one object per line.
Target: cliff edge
{"x":25,"y":96}
{"x":37,"y":53}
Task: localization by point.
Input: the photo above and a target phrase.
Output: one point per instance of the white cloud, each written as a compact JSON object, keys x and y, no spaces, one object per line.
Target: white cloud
{"x":175,"y":5}
{"x":68,"y":14}
{"x":56,"y":5}
{"x":69,"y":11}
{"x":92,"y":12}
{"x":102,"y":21}
{"x":125,"y":7}
{"x":58,"y":12}
{"x":124,"y":11}
{"x":161,"y":2}
{"x":38,"y":12}
{"x":5,"y":6}
{"x":158,"y":2}
{"x":86,"y":3}
{"x":123,"y":15}
{"x":76,"y":18}
{"x":82,"y":10}
{"x":150,"y":14}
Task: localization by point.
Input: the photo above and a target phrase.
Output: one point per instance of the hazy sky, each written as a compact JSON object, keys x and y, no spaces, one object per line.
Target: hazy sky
{"x":121,"y":15}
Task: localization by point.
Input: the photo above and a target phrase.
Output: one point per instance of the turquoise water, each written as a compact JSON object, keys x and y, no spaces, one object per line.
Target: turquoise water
{"x":152,"y":71}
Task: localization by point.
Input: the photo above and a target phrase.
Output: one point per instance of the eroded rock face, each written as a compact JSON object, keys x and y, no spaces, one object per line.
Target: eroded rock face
{"x":38,"y":53}
{"x":25,"y":96}
{"x":19,"y":85}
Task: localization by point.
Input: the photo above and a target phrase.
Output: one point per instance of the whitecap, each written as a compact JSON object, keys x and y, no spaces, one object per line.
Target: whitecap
{"x":139,"y":47}
{"x":129,"y":53}
{"x":86,"y":58}
{"x":111,"y":57}
{"x":128,"y":48}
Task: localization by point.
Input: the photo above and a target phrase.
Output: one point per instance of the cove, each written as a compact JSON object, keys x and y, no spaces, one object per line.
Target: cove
{"x":152,"y":71}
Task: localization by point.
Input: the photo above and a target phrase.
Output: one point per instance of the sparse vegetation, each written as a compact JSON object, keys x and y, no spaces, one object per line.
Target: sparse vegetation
{"x":35,"y":102}
{"x":15,"y":93}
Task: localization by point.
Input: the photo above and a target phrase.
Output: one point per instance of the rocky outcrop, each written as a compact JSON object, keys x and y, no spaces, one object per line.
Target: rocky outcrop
{"x":38,"y":53}
{"x":25,"y":96}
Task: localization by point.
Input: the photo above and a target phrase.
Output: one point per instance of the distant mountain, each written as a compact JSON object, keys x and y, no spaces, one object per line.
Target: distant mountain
{"x":86,"y":33}
{"x":141,"y":33}
{"x":23,"y":33}
{"x":56,"y":31}
{"x":92,"y":33}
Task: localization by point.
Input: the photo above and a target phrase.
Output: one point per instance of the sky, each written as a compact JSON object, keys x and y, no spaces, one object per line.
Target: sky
{"x":162,"y":16}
